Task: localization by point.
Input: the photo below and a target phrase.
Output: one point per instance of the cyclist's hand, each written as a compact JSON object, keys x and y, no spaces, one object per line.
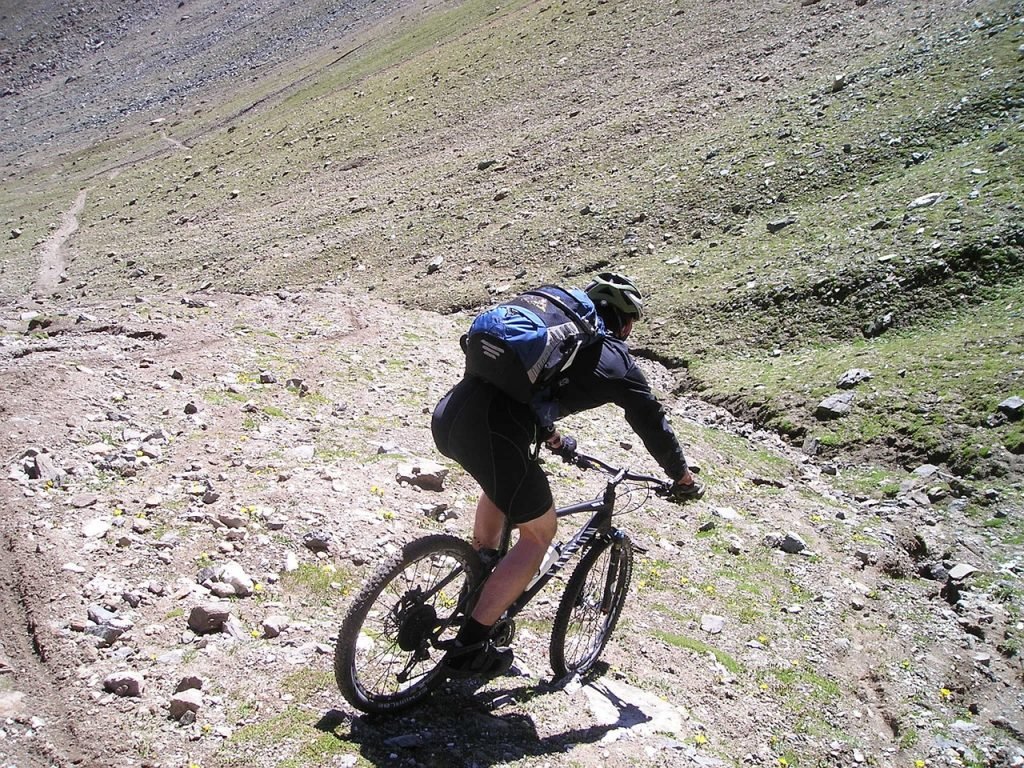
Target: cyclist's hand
{"x":566,"y":449}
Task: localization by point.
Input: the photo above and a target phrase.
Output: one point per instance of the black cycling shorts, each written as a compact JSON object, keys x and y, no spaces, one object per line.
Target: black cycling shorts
{"x":493,"y":437}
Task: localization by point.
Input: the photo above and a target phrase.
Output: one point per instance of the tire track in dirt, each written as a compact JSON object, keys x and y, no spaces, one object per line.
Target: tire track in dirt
{"x":51,"y":257}
{"x":27,"y":654}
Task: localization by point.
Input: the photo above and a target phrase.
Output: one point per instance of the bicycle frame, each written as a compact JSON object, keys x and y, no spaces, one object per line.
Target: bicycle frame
{"x":599,"y":525}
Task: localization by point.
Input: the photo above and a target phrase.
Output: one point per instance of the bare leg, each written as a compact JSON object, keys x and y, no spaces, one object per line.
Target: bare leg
{"x":488,"y":524}
{"x":515,"y":570}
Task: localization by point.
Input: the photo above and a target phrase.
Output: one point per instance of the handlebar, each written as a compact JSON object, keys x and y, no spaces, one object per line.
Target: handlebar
{"x":585,"y":461}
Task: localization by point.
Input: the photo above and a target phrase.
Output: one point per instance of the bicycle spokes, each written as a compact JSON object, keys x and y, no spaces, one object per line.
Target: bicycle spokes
{"x":395,"y":634}
{"x":591,"y":606}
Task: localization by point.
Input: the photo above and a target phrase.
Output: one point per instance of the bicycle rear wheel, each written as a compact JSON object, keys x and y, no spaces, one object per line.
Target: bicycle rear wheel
{"x":591,"y":605}
{"x":387,"y":655}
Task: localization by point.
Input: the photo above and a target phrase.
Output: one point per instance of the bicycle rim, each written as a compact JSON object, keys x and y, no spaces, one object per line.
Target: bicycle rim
{"x":387,"y":654}
{"x":590,"y":606}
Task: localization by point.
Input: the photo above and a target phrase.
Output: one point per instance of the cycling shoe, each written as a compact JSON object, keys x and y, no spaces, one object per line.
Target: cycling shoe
{"x":484,"y":660}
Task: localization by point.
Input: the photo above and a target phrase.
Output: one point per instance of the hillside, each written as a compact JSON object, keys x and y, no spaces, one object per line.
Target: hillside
{"x":206,"y":201}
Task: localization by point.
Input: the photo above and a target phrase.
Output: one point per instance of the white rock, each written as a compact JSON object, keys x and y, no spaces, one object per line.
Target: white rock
{"x":96,"y":528}
{"x":711,"y":624}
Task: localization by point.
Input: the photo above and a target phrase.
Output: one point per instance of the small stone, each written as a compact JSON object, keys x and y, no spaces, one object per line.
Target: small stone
{"x":12,"y":704}
{"x":726,"y":513}
{"x":96,"y":528}
{"x":779,"y":224}
{"x":924,"y":201}
{"x":852,"y":378}
{"x":788,"y":542}
{"x":274,"y":625}
{"x":124,"y":684}
{"x":227,"y":580}
{"x":208,"y":618}
{"x":877,"y":327}
{"x":933,"y":572}
{"x":43,"y":467}
{"x":100,"y":615}
{"x":184,"y":702}
{"x":961,"y":571}
{"x":865,"y":557}
{"x":711,"y":624}
{"x":298,"y":386}
{"x":317,"y":541}
{"x":301,"y":452}
{"x":189,"y":683}
{"x":428,"y":475}
{"x":1013,"y":407}
{"x":834,"y":406}
{"x":234,"y":520}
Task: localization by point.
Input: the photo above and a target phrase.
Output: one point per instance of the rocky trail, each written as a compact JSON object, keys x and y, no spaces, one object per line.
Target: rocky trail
{"x":193,"y":485}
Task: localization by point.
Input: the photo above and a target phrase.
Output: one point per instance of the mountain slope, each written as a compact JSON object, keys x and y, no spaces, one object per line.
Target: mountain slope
{"x":208,"y":199}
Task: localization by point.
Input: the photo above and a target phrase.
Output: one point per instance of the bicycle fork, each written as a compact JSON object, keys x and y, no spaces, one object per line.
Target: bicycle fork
{"x":612,"y":578}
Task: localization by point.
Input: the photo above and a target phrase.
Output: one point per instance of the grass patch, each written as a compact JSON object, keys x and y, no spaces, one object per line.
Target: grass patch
{"x":293,"y":738}
{"x":319,"y":585}
{"x":799,"y":685}
{"x":961,"y":368}
{"x":697,"y":646}
{"x":305,"y":683}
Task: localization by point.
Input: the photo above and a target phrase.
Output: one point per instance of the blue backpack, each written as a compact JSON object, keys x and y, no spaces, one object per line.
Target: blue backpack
{"x":522,"y":345}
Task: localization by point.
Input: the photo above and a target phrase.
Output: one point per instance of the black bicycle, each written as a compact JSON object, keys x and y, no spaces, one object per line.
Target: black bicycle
{"x":391,"y":641}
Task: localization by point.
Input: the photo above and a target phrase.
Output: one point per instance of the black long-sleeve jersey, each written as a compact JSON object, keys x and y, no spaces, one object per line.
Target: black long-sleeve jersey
{"x":606,"y":372}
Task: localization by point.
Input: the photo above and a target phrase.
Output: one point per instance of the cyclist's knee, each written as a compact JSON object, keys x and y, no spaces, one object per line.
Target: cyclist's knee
{"x":541,"y":530}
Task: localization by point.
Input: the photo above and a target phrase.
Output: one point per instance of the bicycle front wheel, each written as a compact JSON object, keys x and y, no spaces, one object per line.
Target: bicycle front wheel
{"x":591,"y":605}
{"x":387,"y":655}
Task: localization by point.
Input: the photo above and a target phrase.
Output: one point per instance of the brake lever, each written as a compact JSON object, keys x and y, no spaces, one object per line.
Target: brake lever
{"x":583,"y":462}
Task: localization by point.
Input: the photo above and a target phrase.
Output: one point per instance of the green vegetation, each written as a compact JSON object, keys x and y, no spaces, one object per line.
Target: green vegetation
{"x":321,"y":585}
{"x":691,"y":644}
{"x":962,"y":367}
{"x":292,"y":737}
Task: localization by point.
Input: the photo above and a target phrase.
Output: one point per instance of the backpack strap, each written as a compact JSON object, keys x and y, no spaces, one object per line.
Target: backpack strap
{"x":583,"y":325}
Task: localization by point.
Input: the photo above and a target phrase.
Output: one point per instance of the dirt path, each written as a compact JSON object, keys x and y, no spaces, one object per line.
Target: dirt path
{"x":52,"y":260}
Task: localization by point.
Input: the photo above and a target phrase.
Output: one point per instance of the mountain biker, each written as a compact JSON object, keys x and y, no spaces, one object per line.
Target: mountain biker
{"x":495,"y":438}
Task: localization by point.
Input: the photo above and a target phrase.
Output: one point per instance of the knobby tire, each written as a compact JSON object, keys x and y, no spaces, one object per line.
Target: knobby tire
{"x":590,"y":606}
{"x":386,"y":657}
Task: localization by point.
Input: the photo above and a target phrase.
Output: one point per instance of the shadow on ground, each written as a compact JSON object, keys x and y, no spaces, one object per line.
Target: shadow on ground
{"x":461,"y":725}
